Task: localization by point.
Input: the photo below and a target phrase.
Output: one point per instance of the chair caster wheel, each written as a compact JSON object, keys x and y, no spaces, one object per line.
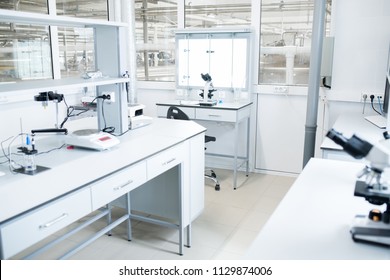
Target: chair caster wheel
{"x":217,"y":187}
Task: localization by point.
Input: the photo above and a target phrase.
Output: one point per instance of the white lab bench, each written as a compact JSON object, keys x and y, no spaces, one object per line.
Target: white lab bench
{"x":80,"y":181}
{"x":235,"y":113}
{"x":349,"y":124}
{"x":312,"y":221}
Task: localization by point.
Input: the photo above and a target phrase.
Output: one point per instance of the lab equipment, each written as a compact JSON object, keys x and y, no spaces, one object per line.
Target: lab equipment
{"x":29,"y":166}
{"x":136,"y":116}
{"x":207,"y":92}
{"x":91,"y":139}
{"x":370,"y":184}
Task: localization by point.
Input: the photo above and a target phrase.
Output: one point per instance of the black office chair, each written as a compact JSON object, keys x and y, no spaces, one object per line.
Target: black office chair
{"x":176,"y":113}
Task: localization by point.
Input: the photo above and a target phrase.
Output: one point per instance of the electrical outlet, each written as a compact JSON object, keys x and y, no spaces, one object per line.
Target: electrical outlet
{"x":280,"y":89}
{"x":111,"y":94}
{"x":367,"y":96}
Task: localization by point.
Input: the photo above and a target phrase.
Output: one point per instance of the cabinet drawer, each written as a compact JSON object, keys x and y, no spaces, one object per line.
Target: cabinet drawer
{"x":216,"y":115}
{"x":116,"y":185}
{"x":166,"y":160}
{"x":32,"y":227}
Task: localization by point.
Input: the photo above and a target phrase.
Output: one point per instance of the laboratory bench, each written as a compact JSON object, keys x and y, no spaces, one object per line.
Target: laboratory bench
{"x":157,"y":169}
{"x":313,"y":220}
{"x":349,"y":124}
{"x":235,"y":113}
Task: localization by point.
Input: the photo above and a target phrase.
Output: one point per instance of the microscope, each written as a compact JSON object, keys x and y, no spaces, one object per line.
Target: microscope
{"x":207,"y":91}
{"x":374,"y":227}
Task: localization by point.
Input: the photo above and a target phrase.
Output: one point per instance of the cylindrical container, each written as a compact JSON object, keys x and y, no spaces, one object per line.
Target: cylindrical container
{"x":29,"y":163}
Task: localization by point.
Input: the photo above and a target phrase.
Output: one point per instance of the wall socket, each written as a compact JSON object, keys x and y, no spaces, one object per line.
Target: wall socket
{"x":280,"y":89}
{"x":111,"y":94}
{"x":367,"y":95}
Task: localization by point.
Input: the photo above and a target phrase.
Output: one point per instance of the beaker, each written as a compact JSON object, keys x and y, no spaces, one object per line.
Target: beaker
{"x":29,"y":163}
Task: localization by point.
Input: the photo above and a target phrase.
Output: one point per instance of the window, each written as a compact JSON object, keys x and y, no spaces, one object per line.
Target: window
{"x":24,"y":52}
{"x":26,"y":49}
{"x":36,"y":6}
{"x":155,"y":40}
{"x":96,"y":9}
{"x":204,"y":14}
{"x":76,"y":51}
{"x":286,"y":27}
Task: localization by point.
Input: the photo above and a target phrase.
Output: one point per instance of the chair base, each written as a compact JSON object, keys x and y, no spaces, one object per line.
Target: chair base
{"x":212,"y":176}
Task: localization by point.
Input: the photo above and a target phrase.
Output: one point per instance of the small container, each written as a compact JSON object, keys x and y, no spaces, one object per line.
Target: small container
{"x":237,"y":95}
{"x":29,"y":163}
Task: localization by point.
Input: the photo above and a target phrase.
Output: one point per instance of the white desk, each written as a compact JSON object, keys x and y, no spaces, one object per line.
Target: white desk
{"x":235,"y":113}
{"x":81,"y":181}
{"x":349,"y":124}
{"x":313,"y":219}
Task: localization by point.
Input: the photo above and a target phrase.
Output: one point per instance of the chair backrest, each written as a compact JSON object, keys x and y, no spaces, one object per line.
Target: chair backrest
{"x":177,"y":114}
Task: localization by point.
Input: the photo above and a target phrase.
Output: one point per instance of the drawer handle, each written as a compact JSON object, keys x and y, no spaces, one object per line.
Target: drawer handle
{"x":169,"y":161}
{"x":217,"y":116}
{"x":122,"y":186}
{"x":49,"y":224}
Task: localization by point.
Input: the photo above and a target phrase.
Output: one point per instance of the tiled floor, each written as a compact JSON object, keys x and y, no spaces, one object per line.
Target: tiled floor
{"x":229,"y":223}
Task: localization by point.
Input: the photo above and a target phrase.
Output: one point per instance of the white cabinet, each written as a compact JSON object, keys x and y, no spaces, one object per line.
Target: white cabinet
{"x":118,"y":184}
{"x":224,"y":54}
{"x":34,"y":226}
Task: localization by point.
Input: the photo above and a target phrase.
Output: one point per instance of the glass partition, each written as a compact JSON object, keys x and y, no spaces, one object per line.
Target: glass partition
{"x":36,"y":6}
{"x":77,"y":52}
{"x":213,"y":13}
{"x":155,"y":39}
{"x":286,"y":27}
{"x":24,"y":52}
{"x":96,"y":9}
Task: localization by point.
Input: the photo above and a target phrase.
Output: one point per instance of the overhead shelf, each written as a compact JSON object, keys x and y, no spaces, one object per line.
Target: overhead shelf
{"x":59,"y":84}
{"x":45,"y":19}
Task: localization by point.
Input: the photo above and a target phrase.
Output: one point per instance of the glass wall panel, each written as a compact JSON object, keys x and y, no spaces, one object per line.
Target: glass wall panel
{"x":36,"y":6}
{"x":213,"y":13}
{"x":77,"y":51}
{"x":96,"y":9}
{"x":286,"y":27}
{"x":155,"y":39}
{"x":24,"y":52}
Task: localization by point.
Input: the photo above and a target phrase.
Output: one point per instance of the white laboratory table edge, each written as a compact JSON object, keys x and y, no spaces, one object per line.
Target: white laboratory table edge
{"x":79,"y":179}
{"x":312,"y":221}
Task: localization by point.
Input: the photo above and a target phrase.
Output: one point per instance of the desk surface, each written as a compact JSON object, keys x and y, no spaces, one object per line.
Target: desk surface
{"x":19,"y":193}
{"x":313,"y":219}
{"x":349,"y":124}
{"x":223,"y":106}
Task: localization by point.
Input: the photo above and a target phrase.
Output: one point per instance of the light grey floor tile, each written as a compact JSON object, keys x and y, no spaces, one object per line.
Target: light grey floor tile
{"x":229,"y":223}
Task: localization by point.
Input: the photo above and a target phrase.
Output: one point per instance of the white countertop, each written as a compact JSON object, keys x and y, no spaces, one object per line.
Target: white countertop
{"x":349,"y":124}
{"x":313,"y":220}
{"x":71,"y":169}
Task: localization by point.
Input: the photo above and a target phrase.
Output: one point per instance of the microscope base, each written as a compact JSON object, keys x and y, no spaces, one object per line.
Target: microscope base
{"x":364,"y":229}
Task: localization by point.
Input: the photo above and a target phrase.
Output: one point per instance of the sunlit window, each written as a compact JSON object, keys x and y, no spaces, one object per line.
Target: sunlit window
{"x":77,"y":54}
{"x":96,"y":9}
{"x":36,"y":6}
{"x":286,"y":29}
{"x":24,"y":52}
{"x":204,"y":14}
{"x":155,"y":40}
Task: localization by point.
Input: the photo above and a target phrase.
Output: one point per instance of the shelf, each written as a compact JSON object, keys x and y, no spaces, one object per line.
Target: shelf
{"x":45,"y":19}
{"x":60,"y":84}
